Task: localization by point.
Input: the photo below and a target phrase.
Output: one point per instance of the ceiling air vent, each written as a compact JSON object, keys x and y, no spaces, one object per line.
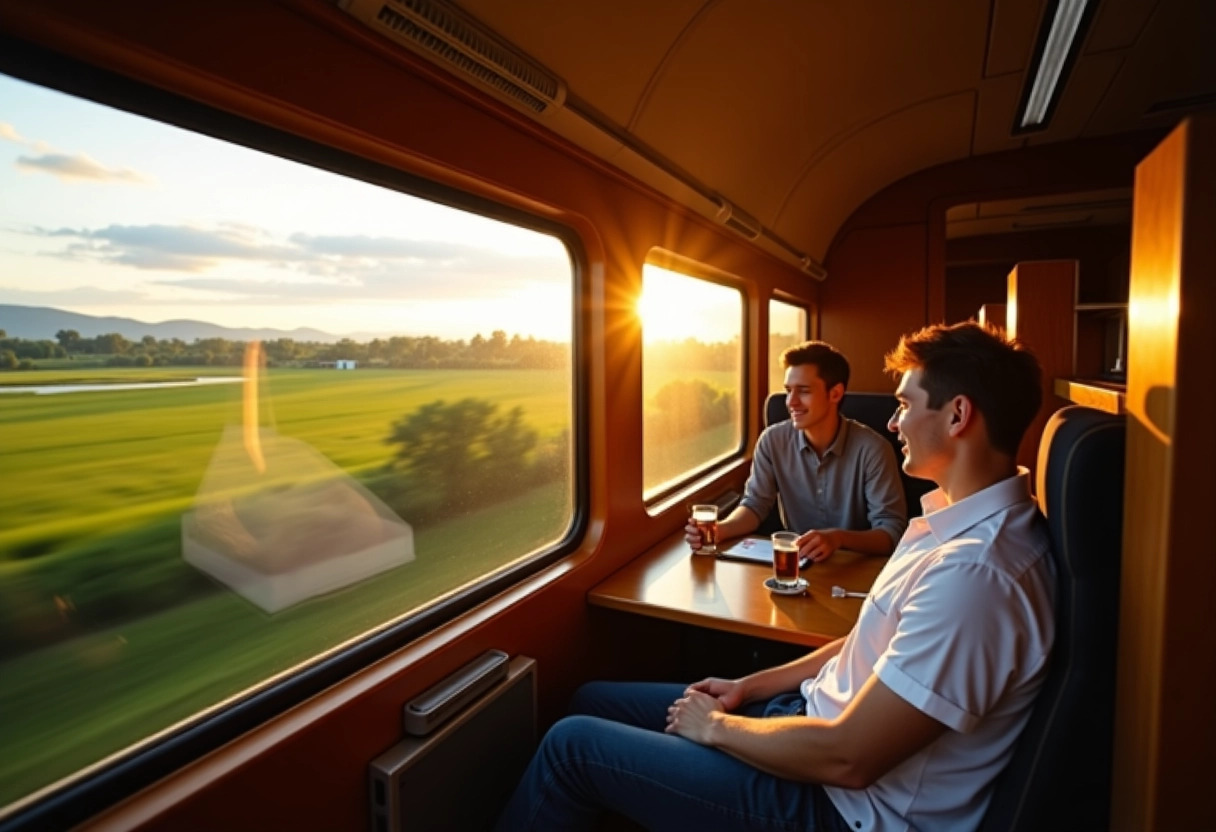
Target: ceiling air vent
{"x":454,"y":40}
{"x":736,"y":220}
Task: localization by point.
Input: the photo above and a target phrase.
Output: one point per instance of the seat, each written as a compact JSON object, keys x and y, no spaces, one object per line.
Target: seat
{"x":774,"y":412}
{"x":1059,"y":776}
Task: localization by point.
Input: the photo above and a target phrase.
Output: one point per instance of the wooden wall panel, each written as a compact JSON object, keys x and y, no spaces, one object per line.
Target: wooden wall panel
{"x":993,"y":314}
{"x":865,"y":325}
{"x":1039,"y":313}
{"x":1165,"y":723}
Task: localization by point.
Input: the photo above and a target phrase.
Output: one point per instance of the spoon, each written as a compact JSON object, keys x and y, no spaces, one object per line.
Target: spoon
{"x":841,"y":592}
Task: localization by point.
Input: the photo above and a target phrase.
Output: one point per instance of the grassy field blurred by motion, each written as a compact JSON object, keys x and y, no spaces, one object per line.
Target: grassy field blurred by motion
{"x":107,"y":636}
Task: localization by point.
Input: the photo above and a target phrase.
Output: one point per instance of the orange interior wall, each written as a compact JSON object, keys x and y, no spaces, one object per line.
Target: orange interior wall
{"x":887,"y":265}
{"x":865,"y":324}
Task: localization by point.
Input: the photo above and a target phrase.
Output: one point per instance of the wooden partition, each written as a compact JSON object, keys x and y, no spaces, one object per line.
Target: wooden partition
{"x":994,"y":314}
{"x":1165,"y":722}
{"x":1039,"y":312}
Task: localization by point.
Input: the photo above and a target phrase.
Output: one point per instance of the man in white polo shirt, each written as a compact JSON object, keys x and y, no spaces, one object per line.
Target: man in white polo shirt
{"x":904,"y":723}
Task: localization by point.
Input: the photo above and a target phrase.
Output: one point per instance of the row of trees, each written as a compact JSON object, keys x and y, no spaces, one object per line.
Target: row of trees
{"x":453,"y":458}
{"x":687,"y":407}
{"x":427,"y":352}
{"x":19,"y":353}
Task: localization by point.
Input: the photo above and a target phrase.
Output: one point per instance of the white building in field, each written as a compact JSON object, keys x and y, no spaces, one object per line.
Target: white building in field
{"x":345,"y":364}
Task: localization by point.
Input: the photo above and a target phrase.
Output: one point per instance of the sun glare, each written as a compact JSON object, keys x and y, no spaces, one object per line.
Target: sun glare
{"x":674,"y":307}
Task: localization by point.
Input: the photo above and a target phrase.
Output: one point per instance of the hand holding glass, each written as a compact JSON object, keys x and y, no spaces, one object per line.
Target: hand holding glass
{"x":785,"y":559}
{"x":705,"y":518}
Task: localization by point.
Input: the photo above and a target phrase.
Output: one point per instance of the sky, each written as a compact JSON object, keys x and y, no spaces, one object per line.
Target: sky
{"x":107,"y":213}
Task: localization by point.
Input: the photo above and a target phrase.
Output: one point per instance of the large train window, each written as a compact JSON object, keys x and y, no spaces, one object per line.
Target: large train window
{"x":786,"y":327}
{"x":692,"y":375}
{"x":254,"y":415}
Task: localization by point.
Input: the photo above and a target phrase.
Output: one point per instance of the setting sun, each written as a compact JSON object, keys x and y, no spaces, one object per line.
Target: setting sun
{"x":673,"y":307}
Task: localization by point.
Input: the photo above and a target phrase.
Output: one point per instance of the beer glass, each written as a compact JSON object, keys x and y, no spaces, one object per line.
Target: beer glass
{"x":785,"y":559}
{"x":705,"y":518}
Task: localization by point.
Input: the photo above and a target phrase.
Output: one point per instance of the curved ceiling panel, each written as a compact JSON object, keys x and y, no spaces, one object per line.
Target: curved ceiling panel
{"x":605,"y":52}
{"x":756,"y":90}
{"x":916,"y":138}
{"x":796,"y":111}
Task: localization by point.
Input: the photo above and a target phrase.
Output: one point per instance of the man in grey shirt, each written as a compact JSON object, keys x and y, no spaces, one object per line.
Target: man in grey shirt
{"x":838,"y":479}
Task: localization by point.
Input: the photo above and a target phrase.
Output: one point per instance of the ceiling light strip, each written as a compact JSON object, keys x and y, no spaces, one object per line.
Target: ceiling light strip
{"x":1065,"y":26}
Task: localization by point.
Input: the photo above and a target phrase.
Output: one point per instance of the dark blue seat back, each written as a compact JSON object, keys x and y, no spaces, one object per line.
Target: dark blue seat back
{"x":1059,"y":776}
{"x":874,"y":410}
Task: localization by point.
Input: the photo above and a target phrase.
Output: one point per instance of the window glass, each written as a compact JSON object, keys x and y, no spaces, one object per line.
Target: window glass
{"x":250,"y":411}
{"x":786,"y":327}
{"x":692,"y":375}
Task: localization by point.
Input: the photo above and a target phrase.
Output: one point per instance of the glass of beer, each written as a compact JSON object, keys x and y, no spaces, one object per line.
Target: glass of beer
{"x":785,"y":559}
{"x":705,"y":518}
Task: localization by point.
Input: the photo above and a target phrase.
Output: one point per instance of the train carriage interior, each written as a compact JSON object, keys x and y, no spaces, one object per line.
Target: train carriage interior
{"x":414,"y":328}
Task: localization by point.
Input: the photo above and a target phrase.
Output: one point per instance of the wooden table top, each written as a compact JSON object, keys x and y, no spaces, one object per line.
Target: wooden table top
{"x":668,"y":581}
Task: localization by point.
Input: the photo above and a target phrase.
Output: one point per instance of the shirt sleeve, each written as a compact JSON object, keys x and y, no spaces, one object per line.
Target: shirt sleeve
{"x":760,"y":493}
{"x":886,"y":504}
{"x":965,"y":637}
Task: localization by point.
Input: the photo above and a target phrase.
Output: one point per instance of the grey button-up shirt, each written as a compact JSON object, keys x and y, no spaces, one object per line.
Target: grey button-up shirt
{"x":855,"y":486}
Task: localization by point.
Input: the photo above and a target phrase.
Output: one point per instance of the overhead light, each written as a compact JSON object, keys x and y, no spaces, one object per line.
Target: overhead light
{"x":1053,"y":55}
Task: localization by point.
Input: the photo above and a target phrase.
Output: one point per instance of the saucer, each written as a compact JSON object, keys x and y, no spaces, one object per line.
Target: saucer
{"x":797,"y":589}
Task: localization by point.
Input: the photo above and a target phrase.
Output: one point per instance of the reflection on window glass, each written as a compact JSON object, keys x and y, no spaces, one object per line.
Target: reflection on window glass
{"x":692,"y":375}
{"x":786,"y":327}
{"x":256,"y":411}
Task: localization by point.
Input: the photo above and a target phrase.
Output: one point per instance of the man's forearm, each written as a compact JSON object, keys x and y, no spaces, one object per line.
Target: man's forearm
{"x":795,"y":748}
{"x":739,"y":522}
{"x":876,"y":732}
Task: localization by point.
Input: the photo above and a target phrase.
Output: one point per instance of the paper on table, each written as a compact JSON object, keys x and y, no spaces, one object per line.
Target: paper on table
{"x":755,"y":549}
{"x":759,"y":549}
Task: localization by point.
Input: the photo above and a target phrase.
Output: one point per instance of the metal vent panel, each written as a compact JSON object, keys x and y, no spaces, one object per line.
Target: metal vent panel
{"x":448,"y":37}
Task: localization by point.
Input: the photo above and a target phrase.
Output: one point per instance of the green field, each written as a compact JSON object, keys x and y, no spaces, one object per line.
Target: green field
{"x":107,"y":636}
{"x":131,"y":638}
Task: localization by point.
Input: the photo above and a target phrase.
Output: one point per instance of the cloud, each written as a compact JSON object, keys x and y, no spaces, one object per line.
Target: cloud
{"x":313,"y":268}
{"x":167,"y":247}
{"x":63,"y":166}
{"x":359,"y":245}
{"x":9,"y":133}
{"x":388,"y":266}
{"x":78,"y":167}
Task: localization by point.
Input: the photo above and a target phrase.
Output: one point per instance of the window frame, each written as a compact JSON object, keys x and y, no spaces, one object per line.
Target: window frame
{"x":807,"y":332}
{"x":80,"y":795}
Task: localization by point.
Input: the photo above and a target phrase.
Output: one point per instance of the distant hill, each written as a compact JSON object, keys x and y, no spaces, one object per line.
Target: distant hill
{"x":41,"y":322}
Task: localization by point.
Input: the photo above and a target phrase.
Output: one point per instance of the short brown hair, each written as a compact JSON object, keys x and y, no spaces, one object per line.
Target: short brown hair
{"x":997,"y":373}
{"x":831,"y":364}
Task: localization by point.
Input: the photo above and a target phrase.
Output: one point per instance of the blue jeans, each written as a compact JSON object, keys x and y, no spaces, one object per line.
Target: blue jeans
{"x":612,"y":754}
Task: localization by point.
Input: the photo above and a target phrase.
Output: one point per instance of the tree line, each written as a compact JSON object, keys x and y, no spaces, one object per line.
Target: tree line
{"x":401,"y":352}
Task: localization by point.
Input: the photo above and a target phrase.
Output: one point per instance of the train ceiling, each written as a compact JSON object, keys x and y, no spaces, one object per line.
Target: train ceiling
{"x":784,"y":116}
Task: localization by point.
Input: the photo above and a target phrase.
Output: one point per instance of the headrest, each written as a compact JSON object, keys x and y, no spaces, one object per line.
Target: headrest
{"x":1079,"y":484}
{"x":775,"y":410}
{"x":872,"y":409}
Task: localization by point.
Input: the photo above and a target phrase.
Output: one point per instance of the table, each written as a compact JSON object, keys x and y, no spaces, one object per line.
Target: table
{"x":667,"y":581}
